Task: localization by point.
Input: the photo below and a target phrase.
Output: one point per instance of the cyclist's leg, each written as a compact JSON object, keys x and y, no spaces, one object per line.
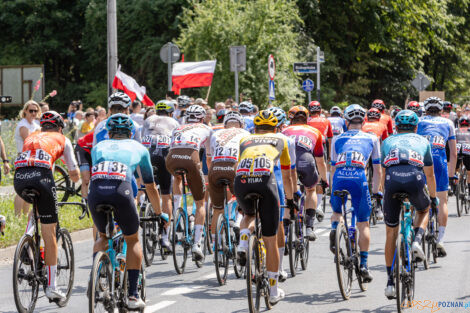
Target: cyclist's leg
{"x":308,"y":176}
{"x":442,"y":185}
{"x":163,"y":177}
{"x":466,"y":163}
{"x":360,"y":198}
{"x":84,"y":163}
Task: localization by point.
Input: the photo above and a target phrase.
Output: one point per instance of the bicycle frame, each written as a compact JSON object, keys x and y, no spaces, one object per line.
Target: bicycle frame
{"x":226,"y":218}
{"x":406,"y":229}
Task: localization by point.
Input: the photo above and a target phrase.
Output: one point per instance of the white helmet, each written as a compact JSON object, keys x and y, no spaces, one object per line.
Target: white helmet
{"x":234,"y":116}
{"x":119,"y":98}
{"x":335,"y":109}
{"x":433,"y":102}
{"x":354,"y":111}
{"x":195,"y":114}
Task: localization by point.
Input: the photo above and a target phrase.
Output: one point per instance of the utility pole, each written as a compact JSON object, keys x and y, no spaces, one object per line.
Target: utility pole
{"x":112,"y":44}
{"x":318,"y":74}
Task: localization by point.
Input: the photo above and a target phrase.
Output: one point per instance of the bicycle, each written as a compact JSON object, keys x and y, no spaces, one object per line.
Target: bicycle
{"x":183,"y":232}
{"x":403,"y":266}
{"x":257,"y":282}
{"x":226,"y":242}
{"x":108,"y":286}
{"x":65,"y":188}
{"x":29,"y":270}
{"x":432,"y":233}
{"x":347,"y":251}
{"x":460,"y":189}
{"x":376,"y":206}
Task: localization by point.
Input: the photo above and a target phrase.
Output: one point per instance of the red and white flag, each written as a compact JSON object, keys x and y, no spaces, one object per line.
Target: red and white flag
{"x":128,"y":84}
{"x":192,"y":74}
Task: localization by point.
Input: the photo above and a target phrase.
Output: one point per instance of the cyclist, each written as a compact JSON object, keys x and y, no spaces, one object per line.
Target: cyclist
{"x":407,"y":159}
{"x":83,"y":154}
{"x":324,"y":126}
{"x":447,"y":111}
{"x":183,"y":103}
{"x":413,"y":106}
{"x":224,"y":151}
{"x":220,"y":115}
{"x":373,"y":125}
{"x":156,"y":138}
{"x":258,"y":155}
{"x":309,"y":157}
{"x":350,"y":153}
{"x":114,"y":163}
{"x":246,"y":109}
{"x":338,"y":124}
{"x":384,"y":118}
{"x":440,"y":131}
{"x":34,"y":170}
{"x":462,"y":135}
{"x":187,"y":144}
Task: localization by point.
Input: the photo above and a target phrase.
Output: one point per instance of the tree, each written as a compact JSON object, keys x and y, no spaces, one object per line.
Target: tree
{"x":264,"y":26}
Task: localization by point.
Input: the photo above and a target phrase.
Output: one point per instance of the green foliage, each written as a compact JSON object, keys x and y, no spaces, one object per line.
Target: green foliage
{"x":264,"y":26}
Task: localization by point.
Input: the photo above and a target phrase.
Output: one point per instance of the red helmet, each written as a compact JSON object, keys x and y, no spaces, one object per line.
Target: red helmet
{"x":378,"y":104}
{"x":314,"y":107}
{"x":53,"y":118}
{"x":464,"y":122}
{"x":373,"y":113}
{"x":413,"y":106}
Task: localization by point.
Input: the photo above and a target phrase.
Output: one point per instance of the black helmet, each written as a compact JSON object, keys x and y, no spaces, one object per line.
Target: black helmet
{"x":52,"y":119}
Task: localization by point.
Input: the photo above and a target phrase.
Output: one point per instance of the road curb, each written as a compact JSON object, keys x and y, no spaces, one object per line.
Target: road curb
{"x":6,"y":254}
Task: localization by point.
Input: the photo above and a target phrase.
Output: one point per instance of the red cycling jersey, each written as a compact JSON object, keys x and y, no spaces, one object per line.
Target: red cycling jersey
{"x":86,"y":142}
{"x":376,"y":128}
{"x":306,"y":137}
{"x":322,"y":124}
{"x":387,"y":121}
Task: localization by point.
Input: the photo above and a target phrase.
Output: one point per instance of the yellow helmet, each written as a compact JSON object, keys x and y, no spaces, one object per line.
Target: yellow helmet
{"x":265,"y":117}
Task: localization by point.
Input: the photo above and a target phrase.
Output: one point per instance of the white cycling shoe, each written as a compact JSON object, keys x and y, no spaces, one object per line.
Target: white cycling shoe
{"x":282,"y":276}
{"x":275,"y":299}
{"x":54,"y":294}
{"x":390,"y":292}
{"x":197,"y":252}
{"x":441,"y":252}
{"x":134,"y":303}
{"x":418,"y":253}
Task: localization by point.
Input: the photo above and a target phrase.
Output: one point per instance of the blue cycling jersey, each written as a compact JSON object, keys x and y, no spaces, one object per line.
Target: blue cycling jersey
{"x":249,"y":124}
{"x":354,"y":148}
{"x":338,"y":125}
{"x":101,"y":133}
{"x":406,"y":148}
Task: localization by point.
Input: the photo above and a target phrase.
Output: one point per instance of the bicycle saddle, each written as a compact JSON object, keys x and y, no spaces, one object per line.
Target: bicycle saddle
{"x":253,"y":196}
{"x":341,"y":193}
{"x":400,"y":196}
{"x":105,"y":208}
{"x":30,"y":194}
{"x":181,"y":171}
{"x":223,"y":182}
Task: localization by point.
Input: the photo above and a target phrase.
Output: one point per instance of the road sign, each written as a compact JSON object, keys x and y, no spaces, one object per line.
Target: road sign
{"x":271,"y":67}
{"x":5,"y":99}
{"x":170,"y":51}
{"x":271,"y":93}
{"x":308,"y":85}
{"x":237,"y":58}
{"x":305,"y":67}
{"x":420,"y":82}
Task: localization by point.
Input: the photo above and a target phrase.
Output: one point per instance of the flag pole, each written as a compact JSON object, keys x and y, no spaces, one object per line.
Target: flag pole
{"x":208,"y":92}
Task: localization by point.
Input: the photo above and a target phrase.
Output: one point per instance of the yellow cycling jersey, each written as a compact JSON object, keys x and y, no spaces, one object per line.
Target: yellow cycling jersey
{"x":260,"y":152}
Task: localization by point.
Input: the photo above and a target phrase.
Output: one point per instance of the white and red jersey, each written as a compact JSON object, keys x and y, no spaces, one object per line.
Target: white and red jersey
{"x":225,"y":144}
{"x":191,"y":136}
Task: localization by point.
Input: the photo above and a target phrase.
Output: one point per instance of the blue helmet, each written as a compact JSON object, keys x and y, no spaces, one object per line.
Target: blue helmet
{"x":406,"y":120}
{"x":279,"y":114}
{"x":119,"y":123}
{"x":354,"y":112}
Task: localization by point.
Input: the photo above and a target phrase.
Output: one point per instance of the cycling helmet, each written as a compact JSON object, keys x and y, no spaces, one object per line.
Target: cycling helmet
{"x":165,"y":105}
{"x":314,"y":107}
{"x":298,"y":110}
{"x":245,"y":107}
{"x":119,"y":123}
{"x":373,"y":114}
{"x":406,"y":120}
{"x":119,"y":98}
{"x":464,"y":122}
{"x":183,"y":101}
{"x":395,"y":112}
{"x":195,"y":114}
{"x":354,"y":112}
{"x":433,"y":103}
{"x":335,"y":110}
{"x":234,"y":116}
{"x":447,"y":105}
{"x":220,"y":116}
{"x":413,"y":106}
{"x":378,"y":104}
{"x":51,"y":119}
{"x":266,"y":117}
{"x":280,"y":115}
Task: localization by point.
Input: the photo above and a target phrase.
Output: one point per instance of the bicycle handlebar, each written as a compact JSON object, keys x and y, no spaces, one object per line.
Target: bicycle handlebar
{"x":84,"y":207}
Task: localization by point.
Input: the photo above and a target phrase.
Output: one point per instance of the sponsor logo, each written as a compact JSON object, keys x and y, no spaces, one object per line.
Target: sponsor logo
{"x":243,"y":181}
{"x":181,"y":157}
{"x":29,"y":175}
{"x":403,"y":174}
{"x":222,"y":168}
{"x":127,"y":192}
{"x":253,"y":180}
{"x":105,"y":187}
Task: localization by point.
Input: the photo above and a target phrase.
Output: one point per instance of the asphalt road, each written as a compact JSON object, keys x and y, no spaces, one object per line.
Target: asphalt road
{"x":314,"y":290}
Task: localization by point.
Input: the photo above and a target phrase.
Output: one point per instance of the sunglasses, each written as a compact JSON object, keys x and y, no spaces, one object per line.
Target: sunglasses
{"x":33,"y":111}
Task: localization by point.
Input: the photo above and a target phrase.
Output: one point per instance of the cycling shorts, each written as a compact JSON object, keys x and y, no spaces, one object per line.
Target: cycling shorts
{"x":41,"y":180}
{"x":440,"y":172}
{"x":306,"y":168}
{"x":220,"y":170}
{"x":188,"y":159}
{"x":119,"y":195}
{"x":280,"y":189}
{"x":203,"y":158}
{"x":466,"y":161}
{"x":404,"y":178}
{"x":162,"y":176}
{"x":83,"y":159}
{"x":355,"y":182}
{"x":266,"y":187}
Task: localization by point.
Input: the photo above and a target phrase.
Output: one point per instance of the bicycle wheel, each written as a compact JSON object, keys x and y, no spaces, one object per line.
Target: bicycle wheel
{"x":361,"y":283}
{"x":101,"y":296}
{"x":397,"y":272}
{"x":457,"y":199}
{"x":65,"y":264}
{"x":291,"y":247}
{"x":208,"y":222}
{"x":425,"y":261}
{"x":305,"y":246}
{"x":206,"y":245}
{"x":180,"y":241}
{"x":25,"y":285}
{"x":149,"y":236}
{"x":343,"y":259}
{"x":62,"y":183}
{"x":253,"y":275}
{"x":373,"y":216}
{"x":237,"y":268}
{"x":221,"y":252}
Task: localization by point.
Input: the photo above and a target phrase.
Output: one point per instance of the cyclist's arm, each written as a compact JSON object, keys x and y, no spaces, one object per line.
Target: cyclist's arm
{"x":376,"y":178}
{"x":430,"y":180}
{"x":321,"y":165}
{"x":154,"y":197}
{"x":146,"y":171}
{"x":453,"y":157}
{"x":70,"y":161}
{"x":287,"y":180}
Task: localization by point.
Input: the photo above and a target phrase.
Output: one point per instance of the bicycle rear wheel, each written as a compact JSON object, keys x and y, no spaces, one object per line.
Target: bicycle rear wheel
{"x":305,"y":245}
{"x":291,"y":248}
{"x":343,"y":259}
{"x":373,"y":216}
{"x":65,"y":264}
{"x":221,"y":251}
{"x":425,"y":261}
{"x":149,"y":236}
{"x":457,"y":199}
{"x":62,"y":183}
{"x":100,"y":294}
{"x":25,"y":285}
{"x":253,"y":275}
{"x":363,"y":285}
{"x":208,"y":226}
{"x":398,"y":270}
{"x":180,"y":243}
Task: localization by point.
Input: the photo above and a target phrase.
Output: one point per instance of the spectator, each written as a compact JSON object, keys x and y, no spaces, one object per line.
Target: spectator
{"x":27,"y":125}
{"x":88,"y":125}
{"x":101,"y":114}
{"x":149,"y":112}
{"x":255,"y":110}
{"x":219,"y":106}
{"x":44,"y":106}
{"x":136,"y":116}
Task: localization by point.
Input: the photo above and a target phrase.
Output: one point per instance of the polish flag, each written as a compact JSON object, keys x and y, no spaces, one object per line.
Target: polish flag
{"x":128,"y":84}
{"x":192,"y":74}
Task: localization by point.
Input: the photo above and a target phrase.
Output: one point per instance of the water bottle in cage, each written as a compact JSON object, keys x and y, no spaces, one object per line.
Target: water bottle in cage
{"x":352,"y":235}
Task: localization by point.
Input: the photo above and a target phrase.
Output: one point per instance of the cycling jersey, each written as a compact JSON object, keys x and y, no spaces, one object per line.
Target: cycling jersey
{"x":101,"y":133}
{"x":438,"y":131}
{"x":218,"y":127}
{"x":322,"y":124}
{"x":306,"y":137}
{"x":462,"y":135}
{"x":191,"y":136}
{"x":249,"y":124}
{"x":338,"y":125}
{"x":86,"y":142}
{"x":225,"y":144}
{"x":159,"y":125}
{"x":387,"y":121}
{"x":406,"y":148}
{"x":376,"y":128}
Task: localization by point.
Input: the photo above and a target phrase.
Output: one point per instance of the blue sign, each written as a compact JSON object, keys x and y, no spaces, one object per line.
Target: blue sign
{"x":307,"y":85}
{"x":271,"y":90}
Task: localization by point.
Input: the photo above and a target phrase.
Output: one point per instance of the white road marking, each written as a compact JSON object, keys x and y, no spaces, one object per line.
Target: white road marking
{"x":181,"y":290}
{"x":158,"y":306}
